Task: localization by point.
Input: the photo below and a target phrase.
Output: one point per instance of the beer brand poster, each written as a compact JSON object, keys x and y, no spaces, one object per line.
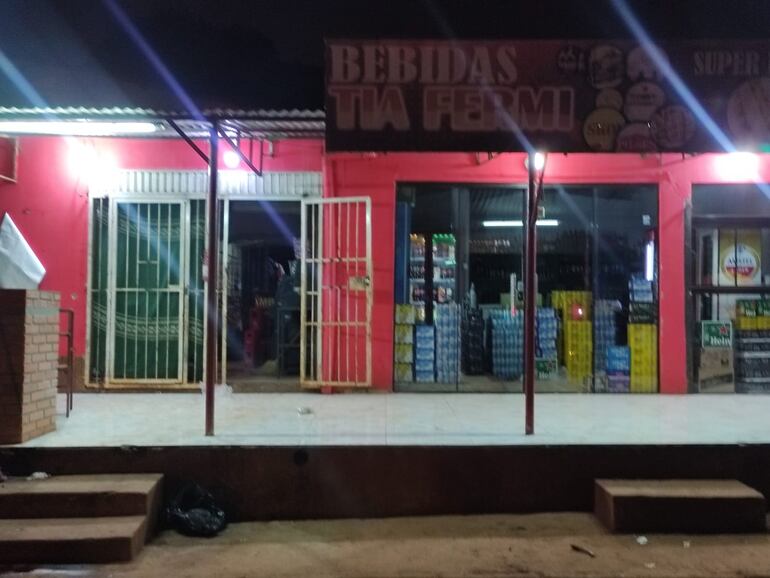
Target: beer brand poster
{"x":741,"y":261}
{"x":560,"y":96}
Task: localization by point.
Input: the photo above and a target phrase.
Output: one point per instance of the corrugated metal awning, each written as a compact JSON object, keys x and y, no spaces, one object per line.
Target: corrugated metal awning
{"x":258,"y":123}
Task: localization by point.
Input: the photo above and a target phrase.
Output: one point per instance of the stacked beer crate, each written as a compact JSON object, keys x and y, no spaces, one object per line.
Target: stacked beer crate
{"x":752,"y":358}
{"x":574,"y":340}
{"x":642,"y":336}
{"x":578,"y":350}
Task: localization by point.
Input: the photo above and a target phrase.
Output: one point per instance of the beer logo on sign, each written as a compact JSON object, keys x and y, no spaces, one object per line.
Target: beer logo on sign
{"x":741,"y":264}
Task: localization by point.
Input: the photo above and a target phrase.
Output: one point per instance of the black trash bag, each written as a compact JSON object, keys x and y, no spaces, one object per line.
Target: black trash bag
{"x":194,"y":512}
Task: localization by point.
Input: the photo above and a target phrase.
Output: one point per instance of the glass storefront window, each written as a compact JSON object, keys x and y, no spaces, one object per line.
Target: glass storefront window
{"x":729,"y":273}
{"x":597,"y":295}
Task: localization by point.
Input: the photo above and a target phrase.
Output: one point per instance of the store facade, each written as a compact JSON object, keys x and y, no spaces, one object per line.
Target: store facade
{"x":652,"y":251}
{"x":53,"y":207}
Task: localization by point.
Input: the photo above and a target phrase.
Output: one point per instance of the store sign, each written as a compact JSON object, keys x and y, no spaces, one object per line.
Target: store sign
{"x":716,"y":334}
{"x":740,"y":261}
{"x":566,"y":96}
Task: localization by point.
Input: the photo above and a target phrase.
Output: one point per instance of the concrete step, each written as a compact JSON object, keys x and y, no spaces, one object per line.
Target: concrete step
{"x":71,"y":540}
{"x":82,"y":496}
{"x":687,"y":506}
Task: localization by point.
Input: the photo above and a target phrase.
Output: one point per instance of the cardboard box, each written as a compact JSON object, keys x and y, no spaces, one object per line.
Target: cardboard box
{"x":715,"y":366}
{"x":404,"y":333}
{"x":546,"y":368}
{"x":716,"y":334}
{"x":405,"y":314}
{"x":404,"y":373}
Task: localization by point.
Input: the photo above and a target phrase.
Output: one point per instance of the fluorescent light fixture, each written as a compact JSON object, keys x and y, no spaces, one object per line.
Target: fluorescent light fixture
{"x":539,"y":222}
{"x":649,"y":261}
{"x":76,"y":128}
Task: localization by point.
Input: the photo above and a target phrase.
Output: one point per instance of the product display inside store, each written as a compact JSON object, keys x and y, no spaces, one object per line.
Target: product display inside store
{"x":459,"y":290}
{"x":262,"y":300}
{"x":730,"y":336}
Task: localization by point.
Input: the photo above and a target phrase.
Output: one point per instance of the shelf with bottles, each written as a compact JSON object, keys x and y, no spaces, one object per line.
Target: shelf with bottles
{"x":416,"y":247}
{"x":441,"y":294}
{"x":435,"y":280}
{"x":440,"y":274}
{"x":444,"y":247}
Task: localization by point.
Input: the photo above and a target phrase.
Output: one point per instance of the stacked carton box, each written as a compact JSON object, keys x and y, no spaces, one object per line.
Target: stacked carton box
{"x":618,"y":367}
{"x":404,"y":344}
{"x":473,"y":342}
{"x":546,"y":362}
{"x":605,"y":331}
{"x":567,"y":304}
{"x":642,"y":336}
{"x":447,"y":321}
{"x":425,"y":353}
{"x":507,"y":344}
{"x":643,"y":344}
{"x":578,"y":347}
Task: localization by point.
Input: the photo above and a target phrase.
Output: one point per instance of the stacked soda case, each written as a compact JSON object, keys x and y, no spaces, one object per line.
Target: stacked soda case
{"x":403,"y":346}
{"x":425,"y":353}
{"x":447,"y":322}
{"x":618,"y":368}
{"x":605,"y":331}
{"x":752,"y":358}
{"x":547,"y":325}
{"x":578,"y":347}
{"x":752,"y":315}
{"x":507,"y":344}
{"x":472,"y":345}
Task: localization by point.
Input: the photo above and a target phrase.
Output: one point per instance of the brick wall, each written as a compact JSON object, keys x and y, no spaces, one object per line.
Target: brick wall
{"x":29,"y":328}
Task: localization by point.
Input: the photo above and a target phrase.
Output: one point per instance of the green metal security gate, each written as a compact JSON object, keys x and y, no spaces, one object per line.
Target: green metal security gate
{"x":147,"y":291}
{"x":147,"y":306}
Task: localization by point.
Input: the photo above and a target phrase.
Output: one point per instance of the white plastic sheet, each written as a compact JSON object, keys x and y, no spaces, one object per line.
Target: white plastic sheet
{"x":19,"y":266}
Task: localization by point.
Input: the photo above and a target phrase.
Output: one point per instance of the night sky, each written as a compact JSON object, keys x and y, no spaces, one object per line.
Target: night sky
{"x":269,"y":54}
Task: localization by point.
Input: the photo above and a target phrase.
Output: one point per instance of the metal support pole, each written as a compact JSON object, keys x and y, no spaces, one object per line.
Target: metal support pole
{"x":530,"y":297}
{"x":211,"y":287}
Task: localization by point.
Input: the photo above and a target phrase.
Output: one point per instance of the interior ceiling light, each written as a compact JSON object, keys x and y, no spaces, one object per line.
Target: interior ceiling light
{"x":539,"y":222}
{"x":76,"y":128}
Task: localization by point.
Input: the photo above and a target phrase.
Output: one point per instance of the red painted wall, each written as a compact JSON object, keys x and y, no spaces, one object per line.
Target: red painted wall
{"x":377,"y":174}
{"x":49,"y":203}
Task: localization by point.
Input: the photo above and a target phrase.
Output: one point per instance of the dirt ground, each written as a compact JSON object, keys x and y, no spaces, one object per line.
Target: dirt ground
{"x":538,"y":545}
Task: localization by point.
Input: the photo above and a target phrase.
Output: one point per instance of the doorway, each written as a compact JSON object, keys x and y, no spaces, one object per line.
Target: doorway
{"x":259,"y":350}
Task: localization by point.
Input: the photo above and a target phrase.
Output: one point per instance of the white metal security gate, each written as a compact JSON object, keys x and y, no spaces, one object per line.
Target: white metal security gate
{"x":336,"y":293}
{"x":145,"y":339}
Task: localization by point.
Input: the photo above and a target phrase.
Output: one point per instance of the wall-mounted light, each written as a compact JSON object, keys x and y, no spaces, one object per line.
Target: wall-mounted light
{"x":88,"y":164}
{"x":517,"y":223}
{"x":737,"y":167}
{"x":539,"y":161}
{"x":232,"y":160}
{"x":76,"y":128}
